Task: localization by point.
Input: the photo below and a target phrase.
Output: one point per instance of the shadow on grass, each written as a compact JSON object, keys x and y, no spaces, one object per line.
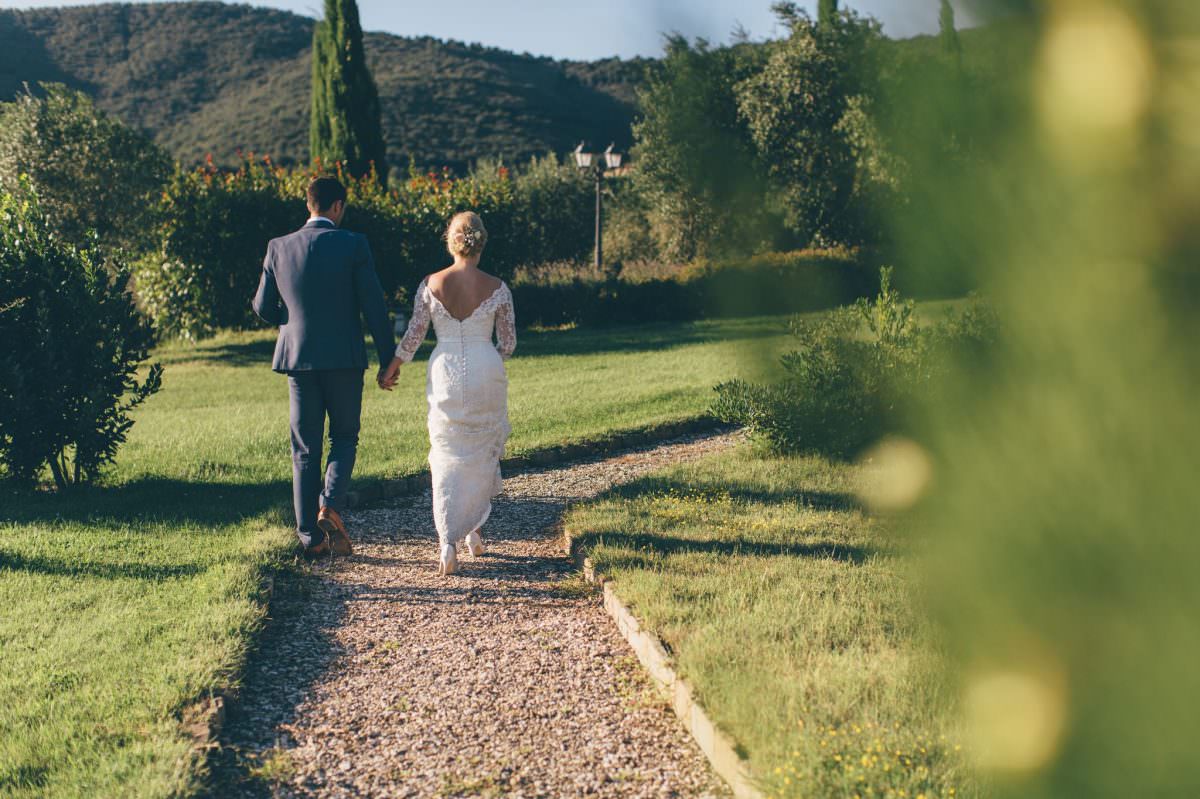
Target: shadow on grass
{"x":147,"y":502}
{"x":651,"y":337}
{"x":241,"y":353}
{"x":10,"y":561}
{"x":639,"y":550}
{"x":22,"y":776}
{"x":816,"y":499}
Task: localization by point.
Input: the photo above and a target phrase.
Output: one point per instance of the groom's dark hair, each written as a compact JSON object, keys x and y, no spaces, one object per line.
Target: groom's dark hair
{"x":324,"y":192}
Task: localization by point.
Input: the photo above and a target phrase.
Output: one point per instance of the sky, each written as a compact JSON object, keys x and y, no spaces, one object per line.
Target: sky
{"x":588,"y":31}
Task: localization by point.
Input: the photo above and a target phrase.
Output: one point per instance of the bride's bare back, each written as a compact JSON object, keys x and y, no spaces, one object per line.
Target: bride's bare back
{"x":461,"y":288}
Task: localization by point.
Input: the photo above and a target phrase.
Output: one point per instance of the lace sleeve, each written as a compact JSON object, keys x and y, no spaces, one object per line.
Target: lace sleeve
{"x":506,"y":326}
{"x":418,"y":326}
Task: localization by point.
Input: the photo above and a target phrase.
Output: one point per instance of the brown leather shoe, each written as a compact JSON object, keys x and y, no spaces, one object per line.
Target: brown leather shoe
{"x":318,"y":550}
{"x":330,"y":521}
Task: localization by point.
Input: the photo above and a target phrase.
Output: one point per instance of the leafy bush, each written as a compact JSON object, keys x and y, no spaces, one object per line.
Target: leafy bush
{"x":74,"y":343}
{"x":216,"y":226}
{"x":853,"y":377}
{"x":175,"y":297}
{"x":91,"y":172}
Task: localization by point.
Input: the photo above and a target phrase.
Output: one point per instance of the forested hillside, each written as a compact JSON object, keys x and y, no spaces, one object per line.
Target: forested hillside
{"x":208,"y":77}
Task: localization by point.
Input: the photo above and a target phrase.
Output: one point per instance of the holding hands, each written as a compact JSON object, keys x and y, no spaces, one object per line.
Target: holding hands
{"x":389,"y":375}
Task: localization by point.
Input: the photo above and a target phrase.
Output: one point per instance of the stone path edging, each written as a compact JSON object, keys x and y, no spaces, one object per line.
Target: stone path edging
{"x":550,"y":456}
{"x":716,"y":745}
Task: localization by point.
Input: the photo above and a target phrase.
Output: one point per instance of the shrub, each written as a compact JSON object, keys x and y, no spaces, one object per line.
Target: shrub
{"x":853,"y":377}
{"x":74,"y":343}
{"x":216,"y":226}
{"x":175,"y":297}
{"x":91,"y":172}
{"x":789,"y":282}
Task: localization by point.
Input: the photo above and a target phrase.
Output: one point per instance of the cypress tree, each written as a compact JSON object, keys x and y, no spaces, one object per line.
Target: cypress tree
{"x":827,"y":13}
{"x":949,"y":34}
{"x":345,"y":124}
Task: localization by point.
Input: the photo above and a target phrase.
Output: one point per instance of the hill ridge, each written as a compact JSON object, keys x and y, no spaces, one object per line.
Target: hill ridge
{"x":207,"y":77}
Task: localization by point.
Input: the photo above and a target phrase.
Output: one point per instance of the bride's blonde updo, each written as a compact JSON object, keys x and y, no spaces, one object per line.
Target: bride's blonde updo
{"x":466,"y":235}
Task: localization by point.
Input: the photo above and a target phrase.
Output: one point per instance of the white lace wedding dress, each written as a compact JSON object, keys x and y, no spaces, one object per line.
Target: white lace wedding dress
{"x":467,"y":390}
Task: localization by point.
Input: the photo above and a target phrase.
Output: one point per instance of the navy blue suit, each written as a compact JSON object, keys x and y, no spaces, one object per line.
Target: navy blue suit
{"x":317,"y":285}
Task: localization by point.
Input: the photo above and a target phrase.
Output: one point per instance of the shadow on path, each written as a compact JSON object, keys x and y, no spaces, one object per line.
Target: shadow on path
{"x":294,"y":652}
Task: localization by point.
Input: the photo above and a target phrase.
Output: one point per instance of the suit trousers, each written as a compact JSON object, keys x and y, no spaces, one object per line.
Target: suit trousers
{"x":336,"y":393}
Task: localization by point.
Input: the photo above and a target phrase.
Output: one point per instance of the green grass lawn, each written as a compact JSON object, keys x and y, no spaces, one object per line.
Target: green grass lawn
{"x":790,"y":611}
{"x":125,"y":603}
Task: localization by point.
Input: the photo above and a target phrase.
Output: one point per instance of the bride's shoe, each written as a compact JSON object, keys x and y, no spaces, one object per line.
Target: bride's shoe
{"x":449,"y":560}
{"x":474,"y":543}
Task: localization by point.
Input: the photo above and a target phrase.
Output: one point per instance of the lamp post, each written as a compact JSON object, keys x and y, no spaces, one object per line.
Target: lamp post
{"x":591,"y":162}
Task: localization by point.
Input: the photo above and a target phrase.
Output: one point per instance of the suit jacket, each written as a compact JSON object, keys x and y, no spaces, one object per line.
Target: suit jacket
{"x":316,"y":284}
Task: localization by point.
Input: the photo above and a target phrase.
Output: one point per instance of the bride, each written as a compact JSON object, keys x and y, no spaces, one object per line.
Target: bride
{"x":466,"y":386}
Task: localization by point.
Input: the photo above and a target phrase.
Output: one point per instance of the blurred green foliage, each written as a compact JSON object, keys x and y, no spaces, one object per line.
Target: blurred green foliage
{"x":1064,"y":499}
{"x":827,"y":12}
{"x":947,"y":30}
{"x":812,"y":138}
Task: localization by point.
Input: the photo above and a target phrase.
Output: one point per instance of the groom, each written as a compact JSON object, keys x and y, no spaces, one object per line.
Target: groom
{"x":316,"y":283}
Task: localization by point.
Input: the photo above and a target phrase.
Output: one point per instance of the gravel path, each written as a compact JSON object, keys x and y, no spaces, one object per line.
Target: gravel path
{"x":378,"y":678}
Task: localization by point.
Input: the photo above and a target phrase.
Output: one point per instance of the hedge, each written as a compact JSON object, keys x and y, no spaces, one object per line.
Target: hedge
{"x":773,"y":283}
